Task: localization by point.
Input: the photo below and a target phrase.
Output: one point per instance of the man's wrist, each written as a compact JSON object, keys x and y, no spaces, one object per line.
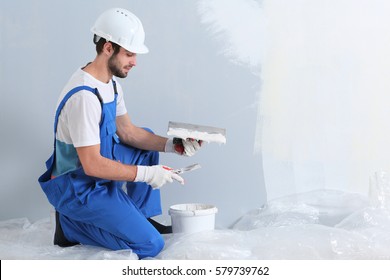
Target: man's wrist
{"x":140,"y":173}
{"x":169,"y":146}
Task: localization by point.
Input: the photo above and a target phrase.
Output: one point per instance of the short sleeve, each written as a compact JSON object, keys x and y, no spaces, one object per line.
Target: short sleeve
{"x":83,"y":115}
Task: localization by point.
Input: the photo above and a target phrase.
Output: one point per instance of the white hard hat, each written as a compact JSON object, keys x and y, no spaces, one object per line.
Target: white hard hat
{"x":123,"y":28}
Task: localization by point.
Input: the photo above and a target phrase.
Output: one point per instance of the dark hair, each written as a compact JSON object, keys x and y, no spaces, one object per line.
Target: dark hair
{"x":99,"y":42}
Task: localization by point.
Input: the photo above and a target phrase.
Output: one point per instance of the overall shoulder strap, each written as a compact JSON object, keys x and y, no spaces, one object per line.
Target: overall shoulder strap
{"x":115,"y":88}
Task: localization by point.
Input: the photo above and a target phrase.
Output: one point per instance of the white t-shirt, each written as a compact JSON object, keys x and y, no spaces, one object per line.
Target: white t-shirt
{"x":78,"y":123}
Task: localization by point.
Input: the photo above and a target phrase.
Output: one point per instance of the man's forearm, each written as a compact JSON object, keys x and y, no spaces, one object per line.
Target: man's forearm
{"x":142,"y":139}
{"x":137,"y":137}
{"x":98,"y":166}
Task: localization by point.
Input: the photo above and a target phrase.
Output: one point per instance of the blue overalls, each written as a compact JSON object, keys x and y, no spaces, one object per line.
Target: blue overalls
{"x":98,"y":212}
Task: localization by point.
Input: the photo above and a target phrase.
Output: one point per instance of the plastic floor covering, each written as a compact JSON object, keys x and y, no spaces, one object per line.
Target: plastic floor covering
{"x":323,"y":224}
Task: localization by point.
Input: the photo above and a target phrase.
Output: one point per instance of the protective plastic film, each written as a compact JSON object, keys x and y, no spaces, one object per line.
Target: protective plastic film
{"x":323,"y":224}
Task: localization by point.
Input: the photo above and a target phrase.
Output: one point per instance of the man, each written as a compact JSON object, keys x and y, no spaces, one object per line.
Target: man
{"x":97,"y":148}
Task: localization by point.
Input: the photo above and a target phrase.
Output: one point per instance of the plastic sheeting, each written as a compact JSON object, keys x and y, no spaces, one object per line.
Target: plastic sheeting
{"x":323,"y":224}
{"x":19,"y":239}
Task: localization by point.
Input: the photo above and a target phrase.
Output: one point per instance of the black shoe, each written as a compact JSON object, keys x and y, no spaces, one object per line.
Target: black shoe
{"x":160,"y":228}
{"x":59,"y":237}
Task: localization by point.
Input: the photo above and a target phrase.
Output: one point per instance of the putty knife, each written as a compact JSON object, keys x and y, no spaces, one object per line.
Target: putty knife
{"x":187,"y":168}
{"x":198,"y":132}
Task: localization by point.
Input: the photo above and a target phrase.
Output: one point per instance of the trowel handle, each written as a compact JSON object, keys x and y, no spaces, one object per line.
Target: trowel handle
{"x":177,"y":141}
{"x":186,"y":147}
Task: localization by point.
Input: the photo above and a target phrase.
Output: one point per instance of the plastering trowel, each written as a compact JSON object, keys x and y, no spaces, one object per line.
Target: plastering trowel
{"x":198,"y":132}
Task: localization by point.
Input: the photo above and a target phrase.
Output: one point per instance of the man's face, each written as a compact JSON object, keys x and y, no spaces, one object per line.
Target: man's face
{"x":121,"y":63}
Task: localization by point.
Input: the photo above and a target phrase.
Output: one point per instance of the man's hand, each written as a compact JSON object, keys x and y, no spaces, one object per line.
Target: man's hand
{"x":185,"y":147}
{"x":157,"y":175}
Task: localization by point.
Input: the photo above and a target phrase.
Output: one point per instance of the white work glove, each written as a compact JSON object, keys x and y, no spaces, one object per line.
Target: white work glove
{"x":185,"y":147}
{"x":156,"y":175}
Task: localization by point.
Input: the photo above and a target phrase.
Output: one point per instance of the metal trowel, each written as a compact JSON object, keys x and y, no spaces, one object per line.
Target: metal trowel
{"x":198,"y":132}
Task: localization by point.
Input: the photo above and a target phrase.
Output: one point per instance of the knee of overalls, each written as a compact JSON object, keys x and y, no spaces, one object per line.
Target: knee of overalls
{"x":153,"y":248}
{"x":130,"y":155}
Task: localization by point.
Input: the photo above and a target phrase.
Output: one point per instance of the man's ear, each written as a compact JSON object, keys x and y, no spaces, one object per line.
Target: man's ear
{"x":108,"y":49}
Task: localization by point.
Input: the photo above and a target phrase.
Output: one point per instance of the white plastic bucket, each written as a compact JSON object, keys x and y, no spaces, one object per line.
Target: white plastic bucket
{"x":193,"y":217}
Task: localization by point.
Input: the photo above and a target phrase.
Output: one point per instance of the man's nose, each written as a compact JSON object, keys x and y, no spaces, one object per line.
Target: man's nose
{"x":133,"y":61}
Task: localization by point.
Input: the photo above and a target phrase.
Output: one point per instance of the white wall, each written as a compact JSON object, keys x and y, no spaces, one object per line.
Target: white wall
{"x":325,"y":95}
{"x":198,"y":70}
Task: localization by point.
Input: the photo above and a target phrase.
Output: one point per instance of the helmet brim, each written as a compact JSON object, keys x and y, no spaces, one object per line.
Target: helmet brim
{"x":138,"y":50}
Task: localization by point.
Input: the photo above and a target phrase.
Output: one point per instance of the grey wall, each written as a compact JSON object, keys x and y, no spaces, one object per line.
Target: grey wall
{"x":185,"y":77}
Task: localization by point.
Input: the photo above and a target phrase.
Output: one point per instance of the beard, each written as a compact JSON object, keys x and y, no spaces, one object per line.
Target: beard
{"x":115,"y":68}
